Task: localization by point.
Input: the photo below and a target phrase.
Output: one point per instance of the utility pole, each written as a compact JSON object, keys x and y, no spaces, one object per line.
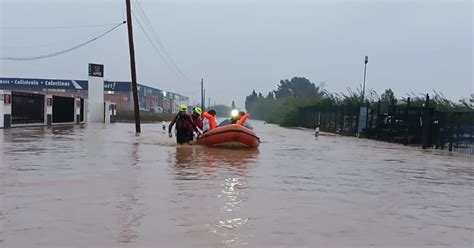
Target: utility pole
{"x":132,"y":67}
{"x":209,"y":103}
{"x":204,"y":101}
{"x":365,"y":73}
{"x":202,"y":93}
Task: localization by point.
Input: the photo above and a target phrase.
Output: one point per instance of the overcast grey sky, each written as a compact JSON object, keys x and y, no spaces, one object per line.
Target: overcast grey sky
{"x":238,"y":46}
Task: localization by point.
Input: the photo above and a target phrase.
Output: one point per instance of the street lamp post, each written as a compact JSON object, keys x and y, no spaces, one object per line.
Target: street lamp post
{"x":365,"y":73}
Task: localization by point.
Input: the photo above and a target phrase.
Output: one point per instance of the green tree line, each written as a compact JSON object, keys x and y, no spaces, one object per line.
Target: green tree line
{"x":281,"y":105}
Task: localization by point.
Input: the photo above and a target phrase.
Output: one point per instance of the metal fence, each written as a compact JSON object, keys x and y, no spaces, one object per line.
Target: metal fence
{"x":336,"y":119}
{"x":406,"y":124}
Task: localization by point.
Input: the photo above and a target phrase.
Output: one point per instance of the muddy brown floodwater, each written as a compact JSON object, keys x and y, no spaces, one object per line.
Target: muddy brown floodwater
{"x":103,"y":186}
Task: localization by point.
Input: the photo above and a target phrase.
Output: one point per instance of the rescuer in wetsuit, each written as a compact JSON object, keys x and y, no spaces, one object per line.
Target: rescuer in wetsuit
{"x":197,"y":117}
{"x":184,"y":126}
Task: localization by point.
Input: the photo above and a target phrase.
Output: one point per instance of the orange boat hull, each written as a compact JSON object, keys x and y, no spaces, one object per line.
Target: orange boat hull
{"x":230,"y":136}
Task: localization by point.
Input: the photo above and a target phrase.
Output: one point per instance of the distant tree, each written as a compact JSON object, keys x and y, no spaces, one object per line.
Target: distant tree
{"x":233,"y":104}
{"x":297,"y":86}
{"x":249,"y":100}
{"x":282,"y":106}
{"x":468,"y":103}
{"x":283,"y":89}
{"x":388,"y":97}
{"x":270,"y":95}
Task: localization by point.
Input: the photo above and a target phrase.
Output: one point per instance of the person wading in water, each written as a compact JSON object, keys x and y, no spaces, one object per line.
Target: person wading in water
{"x":197,"y":117}
{"x":184,"y":126}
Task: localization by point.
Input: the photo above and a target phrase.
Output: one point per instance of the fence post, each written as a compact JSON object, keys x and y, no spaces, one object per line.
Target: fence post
{"x":303,"y":117}
{"x":321,"y":118}
{"x":426,"y":122}
{"x":325,"y":118}
{"x":406,"y":121}
{"x":330,"y":117}
{"x":300,"y":120}
{"x":442,"y":123}
{"x":357,"y":119}
{"x":458,"y":129}
{"x":350,"y":120}
{"x":436,"y":129}
{"x":451,"y":131}
{"x":377,"y":123}
{"x":367,"y":118}
{"x":343,"y":112}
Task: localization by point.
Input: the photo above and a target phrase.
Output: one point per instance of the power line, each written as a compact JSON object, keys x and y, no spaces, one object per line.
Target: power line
{"x":59,"y":27}
{"x":60,"y":43}
{"x":147,"y":22}
{"x":162,"y":56}
{"x":151,"y":43}
{"x":64,"y":51}
{"x":160,"y":43}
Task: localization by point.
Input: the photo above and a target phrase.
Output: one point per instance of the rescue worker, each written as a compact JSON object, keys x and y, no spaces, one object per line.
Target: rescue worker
{"x":242,"y":120}
{"x":233,"y":118}
{"x":184,"y":126}
{"x":239,"y":118}
{"x":197,"y":119}
{"x":211,"y":120}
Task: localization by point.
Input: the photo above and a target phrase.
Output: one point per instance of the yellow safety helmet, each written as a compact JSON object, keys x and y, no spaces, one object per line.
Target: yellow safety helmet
{"x":183,"y":107}
{"x":198,"y":110}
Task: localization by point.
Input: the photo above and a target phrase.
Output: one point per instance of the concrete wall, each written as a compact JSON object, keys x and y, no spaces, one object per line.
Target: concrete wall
{"x":1,"y":109}
{"x":7,"y":109}
{"x":96,"y":99}
{"x":49,"y":110}
{"x":77,"y":112}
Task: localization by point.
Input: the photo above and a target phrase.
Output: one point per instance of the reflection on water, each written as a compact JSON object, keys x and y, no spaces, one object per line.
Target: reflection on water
{"x":188,"y":155}
{"x":233,"y":194}
{"x":190,"y":161}
{"x":130,"y":197}
{"x":103,"y":186}
{"x":201,"y":163}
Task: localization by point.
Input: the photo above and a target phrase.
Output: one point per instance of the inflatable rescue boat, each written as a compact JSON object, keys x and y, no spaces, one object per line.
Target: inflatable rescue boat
{"x":233,"y":135}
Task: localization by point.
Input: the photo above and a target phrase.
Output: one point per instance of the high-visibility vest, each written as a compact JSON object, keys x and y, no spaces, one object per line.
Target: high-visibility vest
{"x":243,"y":119}
{"x":212,"y":120}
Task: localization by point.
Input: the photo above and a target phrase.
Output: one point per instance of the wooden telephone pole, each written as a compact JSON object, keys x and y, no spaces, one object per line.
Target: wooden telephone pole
{"x":132,"y":67}
{"x":202,"y":93}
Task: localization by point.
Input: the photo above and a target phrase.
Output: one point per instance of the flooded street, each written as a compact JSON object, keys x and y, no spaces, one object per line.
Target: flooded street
{"x":103,"y":186}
